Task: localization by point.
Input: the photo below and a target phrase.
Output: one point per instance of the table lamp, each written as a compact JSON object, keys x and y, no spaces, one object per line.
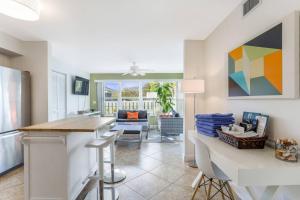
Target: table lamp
{"x":193,"y":86}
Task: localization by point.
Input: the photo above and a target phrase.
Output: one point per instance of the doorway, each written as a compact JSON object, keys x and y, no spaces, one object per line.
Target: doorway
{"x":58,"y":107}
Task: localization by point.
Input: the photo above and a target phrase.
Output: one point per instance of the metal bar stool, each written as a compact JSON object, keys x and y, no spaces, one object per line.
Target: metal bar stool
{"x":115,"y":175}
{"x":100,"y":144}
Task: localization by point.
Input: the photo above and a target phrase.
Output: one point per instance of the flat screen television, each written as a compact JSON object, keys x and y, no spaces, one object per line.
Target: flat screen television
{"x":81,"y":86}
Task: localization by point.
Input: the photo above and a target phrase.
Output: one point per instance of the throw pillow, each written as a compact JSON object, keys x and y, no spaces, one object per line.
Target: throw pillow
{"x":132,"y":115}
{"x":143,"y":114}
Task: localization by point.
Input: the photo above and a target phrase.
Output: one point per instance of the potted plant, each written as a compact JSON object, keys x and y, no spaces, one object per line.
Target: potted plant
{"x":164,"y":97}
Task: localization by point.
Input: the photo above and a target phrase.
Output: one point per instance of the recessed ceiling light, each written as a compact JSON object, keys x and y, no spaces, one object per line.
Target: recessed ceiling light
{"x":21,"y":9}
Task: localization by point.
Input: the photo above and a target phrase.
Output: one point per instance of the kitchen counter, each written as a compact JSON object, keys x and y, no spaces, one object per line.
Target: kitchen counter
{"x":57,"y":163}
{"x":74,"y":124}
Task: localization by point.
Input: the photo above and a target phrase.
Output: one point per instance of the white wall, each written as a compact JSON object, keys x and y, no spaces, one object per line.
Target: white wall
{"x":74,"y":102}
{"x":193,"y":69}
{"x":11,"y":44}
{"x":32,"y":57}
{"x":35,"y":60}
{"x":234,"y":31}
{"x":4,"y":60}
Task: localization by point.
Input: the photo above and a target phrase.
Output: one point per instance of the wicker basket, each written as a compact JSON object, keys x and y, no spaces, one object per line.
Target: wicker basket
{"x":243,"y":143}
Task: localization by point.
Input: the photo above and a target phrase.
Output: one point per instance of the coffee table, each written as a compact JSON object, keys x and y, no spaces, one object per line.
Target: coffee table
{"x":130,"y":130}
{"x":145,"y":125}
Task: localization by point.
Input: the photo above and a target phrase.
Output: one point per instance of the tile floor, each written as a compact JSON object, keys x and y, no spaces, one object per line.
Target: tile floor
{"x":156,"y":171}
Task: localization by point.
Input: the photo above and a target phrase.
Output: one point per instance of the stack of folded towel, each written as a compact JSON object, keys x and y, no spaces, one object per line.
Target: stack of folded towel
{"x":207,"y":124}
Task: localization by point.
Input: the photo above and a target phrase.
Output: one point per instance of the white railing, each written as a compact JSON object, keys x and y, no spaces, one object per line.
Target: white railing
{"x":130,"y":104}
{"x":112,"y":106}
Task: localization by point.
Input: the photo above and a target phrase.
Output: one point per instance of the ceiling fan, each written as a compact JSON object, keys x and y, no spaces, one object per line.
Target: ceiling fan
{"x":136,"y":70}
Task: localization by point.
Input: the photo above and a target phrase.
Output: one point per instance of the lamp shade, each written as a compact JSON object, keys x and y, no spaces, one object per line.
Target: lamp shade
{"x":192,"y":86}
{"x":21,"y":9}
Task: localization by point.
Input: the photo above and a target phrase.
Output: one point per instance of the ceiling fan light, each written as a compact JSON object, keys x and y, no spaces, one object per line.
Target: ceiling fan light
{"x":28,"y":10}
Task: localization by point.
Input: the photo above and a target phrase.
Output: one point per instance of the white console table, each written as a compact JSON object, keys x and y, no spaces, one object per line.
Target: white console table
{"x":251,"y":167}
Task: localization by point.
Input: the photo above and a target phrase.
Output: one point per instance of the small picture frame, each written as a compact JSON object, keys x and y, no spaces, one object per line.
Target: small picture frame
{"x":262,"y":125}
{"x":258,"y":120}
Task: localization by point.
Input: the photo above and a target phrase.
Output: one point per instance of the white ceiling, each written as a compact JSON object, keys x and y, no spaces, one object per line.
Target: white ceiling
{"x":107,"y":35}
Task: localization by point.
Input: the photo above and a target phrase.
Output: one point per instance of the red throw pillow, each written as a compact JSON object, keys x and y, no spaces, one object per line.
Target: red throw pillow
{"x":132,"y":115}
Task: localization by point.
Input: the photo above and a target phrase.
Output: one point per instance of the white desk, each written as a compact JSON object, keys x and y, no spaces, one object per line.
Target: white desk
{"x":257,"y":167}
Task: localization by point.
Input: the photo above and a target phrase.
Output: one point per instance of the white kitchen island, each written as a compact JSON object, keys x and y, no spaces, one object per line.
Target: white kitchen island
{"x":56,"y":163}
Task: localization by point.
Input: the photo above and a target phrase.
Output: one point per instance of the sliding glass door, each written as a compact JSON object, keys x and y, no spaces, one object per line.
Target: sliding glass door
{"x":130,"y":95}
{"x":134,"y":95}
{"x":111,"y":97}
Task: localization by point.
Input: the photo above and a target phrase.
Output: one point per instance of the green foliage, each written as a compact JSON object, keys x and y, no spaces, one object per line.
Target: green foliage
{"x":165,"y":94}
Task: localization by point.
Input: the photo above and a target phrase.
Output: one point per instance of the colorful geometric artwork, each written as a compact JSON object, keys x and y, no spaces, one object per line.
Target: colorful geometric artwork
{"x":255,"y":68}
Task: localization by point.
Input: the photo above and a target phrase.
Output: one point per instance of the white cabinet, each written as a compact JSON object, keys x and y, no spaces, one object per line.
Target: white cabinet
{"x":57,"y":165}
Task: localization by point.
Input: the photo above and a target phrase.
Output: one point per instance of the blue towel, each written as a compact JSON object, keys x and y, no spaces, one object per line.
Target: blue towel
{"x":207,"y":132}
{"x":212,"y":124}
{"x":213,"y":116}
{"x":208,"y":127}
{"x":217,"y":121}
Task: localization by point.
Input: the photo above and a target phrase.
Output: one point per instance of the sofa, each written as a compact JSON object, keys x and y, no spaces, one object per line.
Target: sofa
{"x":142,"y":119}
{"x":122,"y":116}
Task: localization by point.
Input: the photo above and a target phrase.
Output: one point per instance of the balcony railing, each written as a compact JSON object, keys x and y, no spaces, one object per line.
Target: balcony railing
{"x":112,"y":106}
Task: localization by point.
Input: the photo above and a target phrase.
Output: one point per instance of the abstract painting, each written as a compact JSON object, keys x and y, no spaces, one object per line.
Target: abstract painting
{"x":255,"y":68}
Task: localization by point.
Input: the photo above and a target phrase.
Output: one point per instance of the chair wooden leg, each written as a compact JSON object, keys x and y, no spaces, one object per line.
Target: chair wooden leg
{"x":230,"y":191}
{"x":205,"y":189}
{"x":221,"y":189}
{"x":197,"y":187}
{"x":209,"y":189}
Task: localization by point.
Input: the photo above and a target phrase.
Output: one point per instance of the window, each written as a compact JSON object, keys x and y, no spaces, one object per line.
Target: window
{"x":135,"y":95}
{"x":149,"y":96}
{"x":130,"y":95}
{"x":111,"y":96}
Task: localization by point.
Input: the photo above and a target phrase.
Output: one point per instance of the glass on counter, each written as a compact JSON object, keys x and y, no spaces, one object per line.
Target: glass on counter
{"x":286,"y":150}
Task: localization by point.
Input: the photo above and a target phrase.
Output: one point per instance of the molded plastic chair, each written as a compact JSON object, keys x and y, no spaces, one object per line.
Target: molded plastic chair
{"x":211,"y":174}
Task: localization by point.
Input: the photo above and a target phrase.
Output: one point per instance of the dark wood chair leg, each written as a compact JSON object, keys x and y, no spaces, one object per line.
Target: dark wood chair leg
{"x":221,"y":189}
{"x":209,"y":189}
{"x":230,"y":191}
{"x":197,"y":187}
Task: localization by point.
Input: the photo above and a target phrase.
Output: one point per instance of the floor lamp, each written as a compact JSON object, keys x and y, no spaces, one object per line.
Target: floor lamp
{"x":193,"y":86}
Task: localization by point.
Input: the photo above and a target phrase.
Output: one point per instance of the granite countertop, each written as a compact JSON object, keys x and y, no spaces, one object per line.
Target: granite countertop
{"x":74,"y":124}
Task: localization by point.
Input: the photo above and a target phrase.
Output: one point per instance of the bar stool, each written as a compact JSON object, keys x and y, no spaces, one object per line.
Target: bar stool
{"x":103,"y":192}
{"x":115,"y":175}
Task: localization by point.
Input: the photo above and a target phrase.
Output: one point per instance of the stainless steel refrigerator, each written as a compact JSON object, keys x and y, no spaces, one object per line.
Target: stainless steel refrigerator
{"x":14,"y":113}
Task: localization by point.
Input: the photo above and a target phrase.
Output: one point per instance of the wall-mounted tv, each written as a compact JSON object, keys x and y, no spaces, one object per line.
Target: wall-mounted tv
{"x":80,"y":86}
